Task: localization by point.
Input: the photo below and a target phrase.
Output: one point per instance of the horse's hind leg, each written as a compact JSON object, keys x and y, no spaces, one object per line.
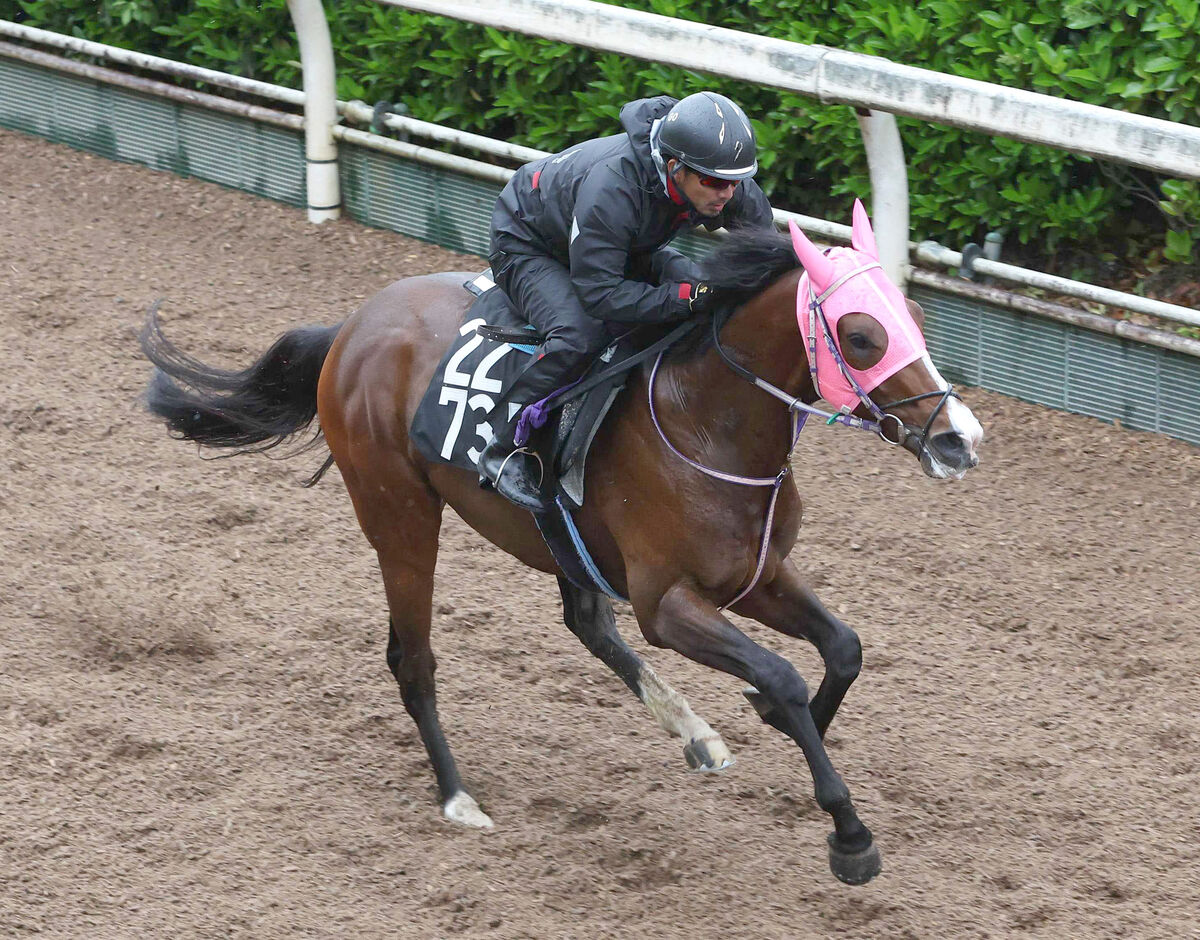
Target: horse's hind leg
{"x":787,"y":605}
{"x":407,"y":548}
{"x":590,"y":617}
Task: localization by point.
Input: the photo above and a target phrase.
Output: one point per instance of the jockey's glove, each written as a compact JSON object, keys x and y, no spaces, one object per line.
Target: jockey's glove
{"x":703,"y":298}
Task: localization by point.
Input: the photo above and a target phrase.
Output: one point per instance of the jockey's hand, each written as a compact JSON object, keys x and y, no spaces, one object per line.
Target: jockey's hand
{"x":703,"y":298}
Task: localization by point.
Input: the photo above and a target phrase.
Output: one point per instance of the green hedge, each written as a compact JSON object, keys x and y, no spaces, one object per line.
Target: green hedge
{"x":1069,"y":211}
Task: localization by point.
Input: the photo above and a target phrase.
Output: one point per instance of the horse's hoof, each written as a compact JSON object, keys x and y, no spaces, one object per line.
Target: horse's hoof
{"x":462,"y":809}
{"x":853,"y":868}
{"x":707,"y":755}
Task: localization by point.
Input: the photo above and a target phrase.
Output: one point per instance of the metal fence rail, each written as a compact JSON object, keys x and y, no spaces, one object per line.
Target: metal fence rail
{"x":1053,"y":363}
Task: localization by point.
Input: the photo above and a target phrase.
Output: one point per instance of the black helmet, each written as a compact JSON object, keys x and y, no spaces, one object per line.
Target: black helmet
{"x":709,"y":134}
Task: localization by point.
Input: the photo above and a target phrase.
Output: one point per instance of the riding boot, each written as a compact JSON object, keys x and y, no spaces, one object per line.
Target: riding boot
{"x":516,"y":473}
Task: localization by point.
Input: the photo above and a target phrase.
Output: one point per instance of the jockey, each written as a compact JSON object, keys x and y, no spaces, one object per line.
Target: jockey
{"x":579,"y":245}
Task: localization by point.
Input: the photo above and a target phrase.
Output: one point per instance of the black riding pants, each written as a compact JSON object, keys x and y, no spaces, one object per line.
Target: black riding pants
{"x":540,"y":288}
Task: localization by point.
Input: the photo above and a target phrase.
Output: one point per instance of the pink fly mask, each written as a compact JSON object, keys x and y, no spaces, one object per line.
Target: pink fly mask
{"x":843,"y":281}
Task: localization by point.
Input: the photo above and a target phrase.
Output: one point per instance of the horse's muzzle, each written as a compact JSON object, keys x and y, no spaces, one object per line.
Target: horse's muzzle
{"x":945,"y":455}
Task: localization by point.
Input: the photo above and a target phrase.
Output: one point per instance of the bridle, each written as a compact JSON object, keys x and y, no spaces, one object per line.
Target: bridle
{"x":909,"y":436}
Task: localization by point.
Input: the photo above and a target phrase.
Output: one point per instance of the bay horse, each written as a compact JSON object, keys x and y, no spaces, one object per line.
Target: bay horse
{"x":680,"y":539}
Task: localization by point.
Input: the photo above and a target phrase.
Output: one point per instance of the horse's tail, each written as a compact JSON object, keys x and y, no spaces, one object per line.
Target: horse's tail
{"x":252,"y":410}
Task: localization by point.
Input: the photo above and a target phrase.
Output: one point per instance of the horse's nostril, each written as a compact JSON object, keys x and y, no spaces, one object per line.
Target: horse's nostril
{"x":949,"y":442}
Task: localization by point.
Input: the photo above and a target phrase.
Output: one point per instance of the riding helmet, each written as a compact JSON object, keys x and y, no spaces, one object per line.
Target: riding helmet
{"x":708,"y":133}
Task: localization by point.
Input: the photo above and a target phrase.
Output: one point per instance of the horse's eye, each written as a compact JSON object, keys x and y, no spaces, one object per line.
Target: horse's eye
{"x":860,"y":342}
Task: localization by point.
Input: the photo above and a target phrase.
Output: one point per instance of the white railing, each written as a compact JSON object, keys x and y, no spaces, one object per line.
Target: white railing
{"x":320,"y":110}
{"x":351,"y":110}
{"x":838,"y":77}
{"x":927,"y":252}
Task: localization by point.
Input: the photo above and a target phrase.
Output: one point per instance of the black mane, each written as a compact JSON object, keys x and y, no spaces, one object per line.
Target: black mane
{"x":742,"y":265}
{"x":747,"y":261}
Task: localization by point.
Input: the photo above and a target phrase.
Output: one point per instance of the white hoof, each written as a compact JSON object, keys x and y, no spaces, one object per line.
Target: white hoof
{"x":707,"y":755}
{"x":462,"y":809}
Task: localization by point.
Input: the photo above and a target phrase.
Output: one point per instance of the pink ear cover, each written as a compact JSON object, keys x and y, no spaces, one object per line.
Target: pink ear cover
{"x":862,"y":237}
{"x":819,"y":268}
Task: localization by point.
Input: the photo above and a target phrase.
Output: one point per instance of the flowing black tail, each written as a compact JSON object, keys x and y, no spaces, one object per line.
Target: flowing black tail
{"x":252,"y":410}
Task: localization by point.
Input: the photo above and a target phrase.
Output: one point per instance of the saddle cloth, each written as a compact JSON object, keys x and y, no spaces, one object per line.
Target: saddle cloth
{"x":451,"y":424}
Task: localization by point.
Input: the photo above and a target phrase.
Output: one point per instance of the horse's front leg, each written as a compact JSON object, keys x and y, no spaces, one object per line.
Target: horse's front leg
{"x":786,"y":604}
{"x":684,"y":621}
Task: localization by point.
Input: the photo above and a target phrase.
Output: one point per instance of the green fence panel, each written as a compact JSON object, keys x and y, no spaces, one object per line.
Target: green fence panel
{"x":1063,"y":366}
{"x":424,"y":202}
{"x":122,"y":124}
{"x":1113,"y":379}
{"x":144,"y":130}
{"x":1179,"y":384}
{"x":25,"y":93}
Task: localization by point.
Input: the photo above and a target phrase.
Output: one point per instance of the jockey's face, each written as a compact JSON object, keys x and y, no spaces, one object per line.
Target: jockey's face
{"x":706,"y":194}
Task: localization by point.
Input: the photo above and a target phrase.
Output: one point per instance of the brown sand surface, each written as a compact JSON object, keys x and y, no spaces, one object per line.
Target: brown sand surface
{"x":199,"y":736}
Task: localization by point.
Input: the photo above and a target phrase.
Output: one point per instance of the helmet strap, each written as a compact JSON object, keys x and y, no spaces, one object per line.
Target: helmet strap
{"x":674,"y":192}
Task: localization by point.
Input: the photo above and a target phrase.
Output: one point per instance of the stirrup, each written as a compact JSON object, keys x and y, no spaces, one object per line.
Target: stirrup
{"x":523,"y":450}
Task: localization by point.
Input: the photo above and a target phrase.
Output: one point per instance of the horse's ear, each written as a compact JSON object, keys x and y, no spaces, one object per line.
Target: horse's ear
{"x":862,"y":238}
{"x":819,"y":268}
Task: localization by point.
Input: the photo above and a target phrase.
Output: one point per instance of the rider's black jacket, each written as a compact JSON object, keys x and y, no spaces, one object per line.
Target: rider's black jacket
{"x":602,"y":210}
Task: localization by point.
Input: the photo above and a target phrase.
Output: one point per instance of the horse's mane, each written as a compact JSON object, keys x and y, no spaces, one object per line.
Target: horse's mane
{"x":747,"y":261}
{"x":742,"y":265}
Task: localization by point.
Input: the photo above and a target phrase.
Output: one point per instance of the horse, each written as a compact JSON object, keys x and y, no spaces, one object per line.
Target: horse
{"x":665,"y":519}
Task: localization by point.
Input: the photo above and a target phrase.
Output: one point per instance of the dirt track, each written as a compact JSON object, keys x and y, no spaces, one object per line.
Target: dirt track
{"x":200,"y":737}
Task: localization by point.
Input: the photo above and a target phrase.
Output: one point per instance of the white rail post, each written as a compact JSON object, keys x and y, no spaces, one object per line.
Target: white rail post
{"x":320,"y":109}
{"x":889,"y":192}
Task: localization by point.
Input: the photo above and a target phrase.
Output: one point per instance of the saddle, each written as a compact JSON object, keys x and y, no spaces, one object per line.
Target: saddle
{"x":451,"y":423}
{"x":451,"y":426}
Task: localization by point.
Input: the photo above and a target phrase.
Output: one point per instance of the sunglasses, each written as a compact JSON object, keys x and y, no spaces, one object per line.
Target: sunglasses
{"x":713,"y":182}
